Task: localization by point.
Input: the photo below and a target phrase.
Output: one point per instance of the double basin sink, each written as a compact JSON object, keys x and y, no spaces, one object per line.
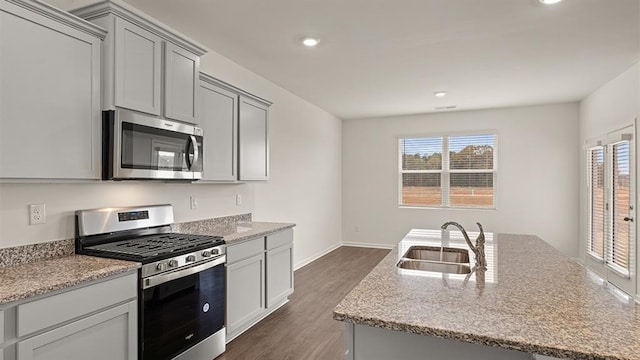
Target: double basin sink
{"x":436,"y":259}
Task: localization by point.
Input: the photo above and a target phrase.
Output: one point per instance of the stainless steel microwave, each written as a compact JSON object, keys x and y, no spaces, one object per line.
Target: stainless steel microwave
{"x":142,"y":147}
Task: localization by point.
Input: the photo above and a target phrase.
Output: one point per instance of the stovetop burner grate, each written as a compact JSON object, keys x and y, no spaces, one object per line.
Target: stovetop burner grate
{"x":154,"y":245}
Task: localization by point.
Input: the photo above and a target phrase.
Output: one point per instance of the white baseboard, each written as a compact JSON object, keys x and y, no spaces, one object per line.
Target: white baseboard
{"x":315,"y":257}
{"x":369,"y":245}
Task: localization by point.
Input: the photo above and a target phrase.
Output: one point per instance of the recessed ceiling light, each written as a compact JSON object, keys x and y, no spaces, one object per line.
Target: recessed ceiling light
{"x":440,"y":93}
{"x":310,"y":42}
{"x":549,"y":2}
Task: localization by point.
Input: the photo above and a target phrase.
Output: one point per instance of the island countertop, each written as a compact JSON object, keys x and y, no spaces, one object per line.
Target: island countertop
{"x":531,"y":298}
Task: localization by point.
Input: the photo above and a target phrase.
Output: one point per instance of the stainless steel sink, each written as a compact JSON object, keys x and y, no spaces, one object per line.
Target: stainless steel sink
{"x":440,"y":254}
{"x":436,"y":259}
{"x":434,"y":266}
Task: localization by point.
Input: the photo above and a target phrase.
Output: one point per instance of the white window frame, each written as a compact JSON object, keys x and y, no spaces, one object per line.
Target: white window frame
{"x":445,"y":172}
{"x":622,"y":278}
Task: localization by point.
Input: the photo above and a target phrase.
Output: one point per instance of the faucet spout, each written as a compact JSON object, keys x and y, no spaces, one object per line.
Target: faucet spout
{"x":478,"y":248}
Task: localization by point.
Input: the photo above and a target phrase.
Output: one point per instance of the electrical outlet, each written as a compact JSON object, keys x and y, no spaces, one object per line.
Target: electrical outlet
{"x":238,"y":199}
{"x":37,"y":214}
{"x":193,"y":202}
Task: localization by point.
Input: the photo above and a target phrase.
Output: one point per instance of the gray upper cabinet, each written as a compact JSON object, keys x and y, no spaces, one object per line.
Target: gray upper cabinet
{"x":236,"y":134}
{"x":182,"y":70}
{"x":50,"y":102}
{"x":219,"y":119}
{"x":149,"y":67}
{"x":253,"y":139}
{"x":138,"y":55}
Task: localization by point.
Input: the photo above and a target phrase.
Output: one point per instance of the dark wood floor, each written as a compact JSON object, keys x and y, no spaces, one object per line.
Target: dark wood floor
{"x":303,"y":329}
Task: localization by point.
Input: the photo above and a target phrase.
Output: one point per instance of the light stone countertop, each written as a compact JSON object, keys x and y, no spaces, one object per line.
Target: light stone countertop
{"x":22,"y":281}
{"x":532,"y":298}
{"x":234,"y":233}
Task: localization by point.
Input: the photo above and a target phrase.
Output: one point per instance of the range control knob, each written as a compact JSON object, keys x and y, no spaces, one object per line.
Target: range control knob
{"x":191,"y":258}
{"x":215,"y":251}
{"x":173,"y":263}
{"x":161,"y":266}
{"x":206,"y":253}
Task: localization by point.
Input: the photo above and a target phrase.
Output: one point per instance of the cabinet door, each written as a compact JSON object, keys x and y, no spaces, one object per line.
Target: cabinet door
{"x":50,"y":98}
{"x":253,"y":140}
{"x":279,"y":274}
{"x":218,"y":119}
{"x":108,"y":335}
{"x":182,"y":70}
{"x":138,"y":56}
{"x":245,"y":293}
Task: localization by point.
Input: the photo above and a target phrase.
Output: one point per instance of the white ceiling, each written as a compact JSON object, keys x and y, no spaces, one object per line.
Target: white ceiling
{"x":387,"y":57}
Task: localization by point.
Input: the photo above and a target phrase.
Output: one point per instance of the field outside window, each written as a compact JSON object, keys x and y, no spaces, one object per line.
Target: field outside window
{"x":448,"y":171}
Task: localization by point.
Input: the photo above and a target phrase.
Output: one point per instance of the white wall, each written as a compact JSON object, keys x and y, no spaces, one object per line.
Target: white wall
{"x":537,"y":175}
{"x":607,"y":109}
{"x":304,"y":185}
{"x":305,"y":162}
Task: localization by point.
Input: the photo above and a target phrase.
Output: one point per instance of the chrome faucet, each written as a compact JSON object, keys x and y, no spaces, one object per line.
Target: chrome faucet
{"x":478,"y":249}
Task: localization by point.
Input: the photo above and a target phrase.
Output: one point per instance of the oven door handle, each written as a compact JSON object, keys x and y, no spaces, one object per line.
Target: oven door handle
{"x":163,"y":278}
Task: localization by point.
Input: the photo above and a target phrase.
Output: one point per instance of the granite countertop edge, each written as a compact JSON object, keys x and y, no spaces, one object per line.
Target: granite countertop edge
{"x":465,"y":337}
{"x":266,"y":228}
{"x":25,"y":285}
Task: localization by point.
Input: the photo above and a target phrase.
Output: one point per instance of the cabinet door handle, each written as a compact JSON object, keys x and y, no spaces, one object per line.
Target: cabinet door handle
{"x":626,"y":218}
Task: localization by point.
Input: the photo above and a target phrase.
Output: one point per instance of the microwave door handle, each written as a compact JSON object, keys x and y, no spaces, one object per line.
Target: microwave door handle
{"x":196,"y":151}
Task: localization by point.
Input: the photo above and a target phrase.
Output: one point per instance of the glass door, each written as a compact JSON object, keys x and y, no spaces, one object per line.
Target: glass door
{"x":611,"y":238}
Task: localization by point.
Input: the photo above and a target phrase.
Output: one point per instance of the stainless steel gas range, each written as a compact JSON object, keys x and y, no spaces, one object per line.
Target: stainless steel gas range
{"x":181,"y":293}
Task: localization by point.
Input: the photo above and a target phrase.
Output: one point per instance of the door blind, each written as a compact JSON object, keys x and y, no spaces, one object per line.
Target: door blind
{"x":595,"y":243}
{"x":618,"y":252}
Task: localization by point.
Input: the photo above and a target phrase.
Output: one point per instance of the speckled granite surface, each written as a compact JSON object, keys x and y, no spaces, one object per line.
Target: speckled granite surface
{"x":531,"y":298}
{"x":40,"y":277}
{"x":27,"y":253}
{"x":234,"y":229}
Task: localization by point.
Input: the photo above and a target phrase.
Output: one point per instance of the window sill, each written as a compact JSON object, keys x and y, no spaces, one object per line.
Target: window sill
{"x":446,"y":208}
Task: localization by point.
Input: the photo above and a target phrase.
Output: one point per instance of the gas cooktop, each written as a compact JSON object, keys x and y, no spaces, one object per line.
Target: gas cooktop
{"x":154,"y":247}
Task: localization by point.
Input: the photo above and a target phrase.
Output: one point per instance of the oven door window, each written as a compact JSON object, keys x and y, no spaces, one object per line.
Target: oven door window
{"x":180,"y":313}
{"x":149,"y":148}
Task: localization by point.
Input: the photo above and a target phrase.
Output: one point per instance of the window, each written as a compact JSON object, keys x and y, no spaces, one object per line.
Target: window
{"x":610,"y":186}
{"x":448,"y":171}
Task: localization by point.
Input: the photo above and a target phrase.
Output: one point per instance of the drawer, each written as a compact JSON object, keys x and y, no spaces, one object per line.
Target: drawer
{"x":280,"y":238}
{"x":43,"y":313}
{"x":244,"y":250}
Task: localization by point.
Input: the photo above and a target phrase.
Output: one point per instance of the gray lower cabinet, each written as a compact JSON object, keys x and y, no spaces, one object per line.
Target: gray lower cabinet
{"x":50,"y":118}
{"x":259,"y":279}
{"x":279,"y":267}
{"x":253,"y":147}
{"x":245,"y":293}
{"x":104,"y":336}
{"x":96,"y":321}
{"x":219,"y":121}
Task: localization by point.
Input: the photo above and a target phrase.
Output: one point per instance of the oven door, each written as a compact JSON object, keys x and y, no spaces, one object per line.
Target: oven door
{"x":144,"y":147}
{"x":181,"y":308}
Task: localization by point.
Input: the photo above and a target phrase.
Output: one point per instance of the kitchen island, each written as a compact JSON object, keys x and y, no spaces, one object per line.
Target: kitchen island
{"x":530,"y":300}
